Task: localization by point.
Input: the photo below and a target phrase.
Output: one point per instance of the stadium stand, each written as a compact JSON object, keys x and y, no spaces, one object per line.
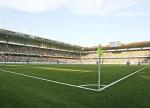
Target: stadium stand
{"x":17,"y":53}
{"x":135,"y":53}
{"x":21,"y":48}
{"x":121,"y":57}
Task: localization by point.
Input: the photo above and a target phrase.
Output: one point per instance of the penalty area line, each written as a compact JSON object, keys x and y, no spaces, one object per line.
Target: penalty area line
{"x":57,"y":82}
{"x":113,"y":83}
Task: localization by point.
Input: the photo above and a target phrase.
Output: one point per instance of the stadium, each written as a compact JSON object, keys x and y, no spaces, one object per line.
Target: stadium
{"x":42,"y":73}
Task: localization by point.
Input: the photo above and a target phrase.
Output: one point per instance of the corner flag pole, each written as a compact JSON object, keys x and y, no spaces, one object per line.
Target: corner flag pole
{"x":99,"y":70}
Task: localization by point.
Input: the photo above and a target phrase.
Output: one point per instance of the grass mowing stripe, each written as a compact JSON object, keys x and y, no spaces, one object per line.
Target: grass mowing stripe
{"x":48,"y":80}
{"x":63,"y":69}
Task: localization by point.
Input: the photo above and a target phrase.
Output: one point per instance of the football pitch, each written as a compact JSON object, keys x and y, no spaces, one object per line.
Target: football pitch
{"x":74,"y":86}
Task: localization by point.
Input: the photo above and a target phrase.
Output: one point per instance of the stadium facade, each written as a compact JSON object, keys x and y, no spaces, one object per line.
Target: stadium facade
{"x":22,"y":48}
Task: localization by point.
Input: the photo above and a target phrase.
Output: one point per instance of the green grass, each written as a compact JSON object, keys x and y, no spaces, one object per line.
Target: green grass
{"x":23,"y":92}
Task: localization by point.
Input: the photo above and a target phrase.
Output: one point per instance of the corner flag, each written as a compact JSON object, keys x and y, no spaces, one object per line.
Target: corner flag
{"x":99,"y":53}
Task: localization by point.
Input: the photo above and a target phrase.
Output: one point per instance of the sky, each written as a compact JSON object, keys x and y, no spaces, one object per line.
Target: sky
{"x":79,"y":22}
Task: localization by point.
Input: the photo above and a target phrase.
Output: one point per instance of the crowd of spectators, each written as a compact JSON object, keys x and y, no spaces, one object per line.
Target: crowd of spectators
{"x":121,"y":57}
{"x":27,"y":54}
{"x":19,"y":53}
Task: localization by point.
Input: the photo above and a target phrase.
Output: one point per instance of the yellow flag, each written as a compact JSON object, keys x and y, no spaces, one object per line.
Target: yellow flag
{"x":99,"y":51}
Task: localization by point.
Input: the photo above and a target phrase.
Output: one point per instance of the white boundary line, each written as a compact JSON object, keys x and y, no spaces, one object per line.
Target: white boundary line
{"x":91,"y":85}
{"x":79,"y":86}
{"x":111,"y":84}
{"x":34,"y":77}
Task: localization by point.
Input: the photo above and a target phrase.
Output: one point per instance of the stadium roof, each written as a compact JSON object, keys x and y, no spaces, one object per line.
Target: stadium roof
{"x":123,"y":46}
{"x":25,"y":38}
{"x":15,"y":36}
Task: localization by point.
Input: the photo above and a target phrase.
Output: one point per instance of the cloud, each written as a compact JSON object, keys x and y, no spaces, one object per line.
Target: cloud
{"x":100,"y":7}
{"x":79,"y":7}
{"x":132,"y":14}
{"x":31,"y":5}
